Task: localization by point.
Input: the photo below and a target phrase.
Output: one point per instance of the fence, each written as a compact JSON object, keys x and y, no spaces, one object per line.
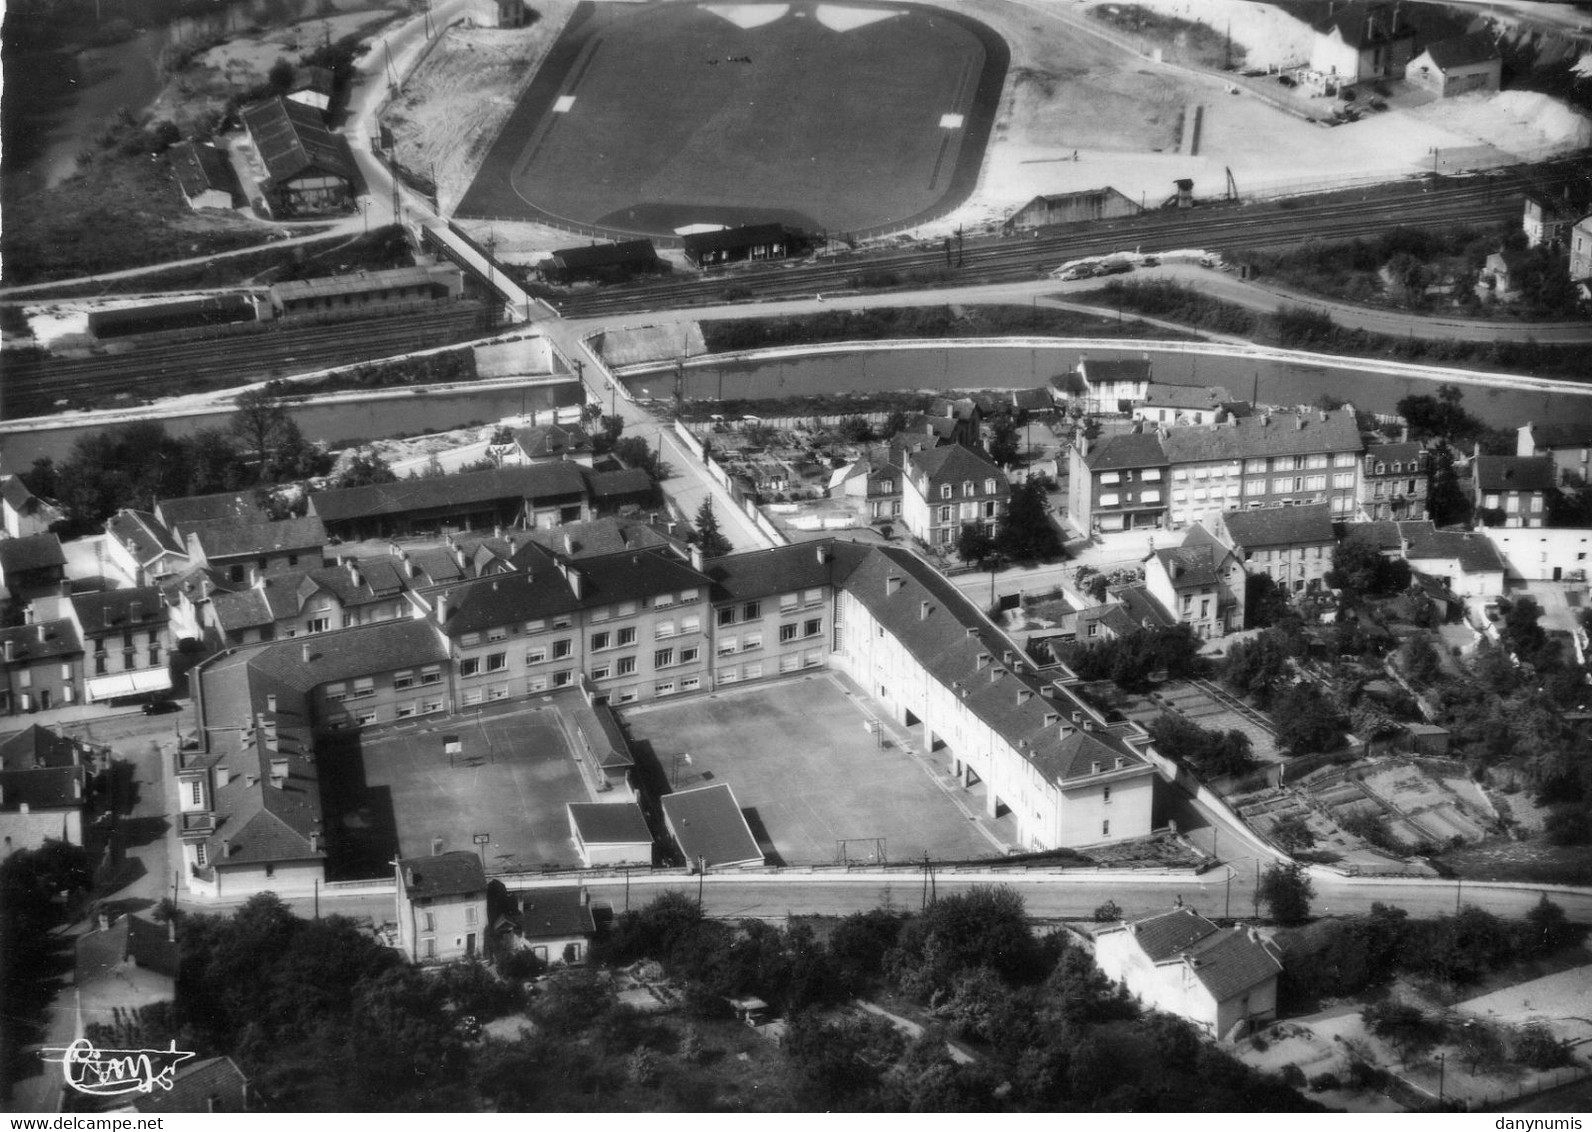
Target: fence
{"x":826,"y":421}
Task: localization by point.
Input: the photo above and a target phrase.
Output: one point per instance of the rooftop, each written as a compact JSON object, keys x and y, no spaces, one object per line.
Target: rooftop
{"x":537,"y":481}
{"x":617,"y":823}
{"x":1266,"y":434}
{"x":227,"y":538}
{"x":292,"y":138}
{"x":554,"y":913}
{"x":709,"y":826}
{"x":1280,"y":526}
{"x":361,"y":282}
{"x":38,"y":747}
{"x":1126,"y":450}
{"x":31,"y":552}
{"x":1464,"y":50}
{"x":458,"y":873}
{"x":1513,"y":473}
{"x":766,"y":573}
{"x":954,"y":463}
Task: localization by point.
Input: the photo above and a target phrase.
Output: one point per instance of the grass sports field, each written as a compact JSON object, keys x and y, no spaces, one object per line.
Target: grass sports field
{"x":647,"y":118}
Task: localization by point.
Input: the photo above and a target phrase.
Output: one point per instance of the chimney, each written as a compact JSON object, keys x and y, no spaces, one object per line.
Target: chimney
{"x":104,"y":920}
{"x":270,"y":698}
{"x":105,"y":617}
{"x":697,"y":561}
{"x":1121,"y":762}
{"x":353,"y":573}
{"x":226,"y":848}
{"x":1299,"y":423}
{"x":77,"y":789}
{"x":315,"y":842}
{"x":171,"y":929}
{"x":304,"y":651}
{"x":923,"y":611}
{"x":823,"y":555}
{"x":585,"y":898}
{"x":892,"y":583}
{"x":11,"y":650}
{"x":1007,"y":657}
{"x":569,"y":543}
{"x":442,"y":608}
{"x":223,"y":775}
{"x":44,"y":633}
{"x":984,"y":659}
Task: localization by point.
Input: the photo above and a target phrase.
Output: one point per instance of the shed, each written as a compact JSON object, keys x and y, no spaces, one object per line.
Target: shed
{"x":708,"y":826}
{"x":613,"y":834}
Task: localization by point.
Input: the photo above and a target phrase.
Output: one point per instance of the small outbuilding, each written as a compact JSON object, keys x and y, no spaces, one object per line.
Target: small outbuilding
{"x":1465,"y":64}
{"x":708,"y":826}
{"x":613,"y":834}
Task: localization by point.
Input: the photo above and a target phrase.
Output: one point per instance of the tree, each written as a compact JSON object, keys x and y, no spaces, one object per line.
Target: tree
{"x":1265,"y":602}
{"x":613,"y":427}
{"x":129,"y":466}
{"x":1211,"y":753}
{"x":974,"y":545}
{"x":857,"y":430}
{"x":1402,"y":1026}
{"x":280,"y":76}
{"x":271,"y":436}
{"x":1306,"y":721}
{"x":635,"y":452}
{"x":1026,"y":532}
{"x":363,"y":468}
{"x":985,"y":926}
{"x":1286,"y":890}
{"x":1003,"y":446}
{"x":707,"y":534}
{"x":1359,"y":568}
{"x":1293,"y":834}
{"x":1446,"y":503}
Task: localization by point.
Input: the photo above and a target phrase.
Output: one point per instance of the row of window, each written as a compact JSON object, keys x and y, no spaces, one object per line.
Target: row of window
{"x":970,"y":511}
{"x":1511,"y":503}
{"x":129,"y":661}
{"x":946,"y":490}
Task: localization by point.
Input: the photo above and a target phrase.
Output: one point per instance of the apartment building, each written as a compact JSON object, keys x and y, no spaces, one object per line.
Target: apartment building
{"x":1512,"y":491}
{"x":1118,"y":482}
{"x":772,"y":611}
{"x":1292,"y":545}
{"x":1393,"y":482}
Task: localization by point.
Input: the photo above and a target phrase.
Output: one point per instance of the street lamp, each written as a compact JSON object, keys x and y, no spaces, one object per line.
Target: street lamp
{"x":674,"y":770}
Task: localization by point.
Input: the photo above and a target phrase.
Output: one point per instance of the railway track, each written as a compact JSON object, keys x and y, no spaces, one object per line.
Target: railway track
{"x":1477,"y":200}
{"x":33,"y":386}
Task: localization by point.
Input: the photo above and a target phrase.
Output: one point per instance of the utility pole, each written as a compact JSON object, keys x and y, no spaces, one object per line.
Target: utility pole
{"x":702,"y":869}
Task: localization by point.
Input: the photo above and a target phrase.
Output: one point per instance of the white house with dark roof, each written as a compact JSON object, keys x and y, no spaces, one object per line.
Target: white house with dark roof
{"x":205,"y":175}
{"x":1466,"y":562}
{"x":43,"y":666}
{"x":1463,"y":64}
{"x":947,"y":488}
{"x":240,"y":507}
{"x":441,"y":907}
{"x":1118,"y":482}
{"x":308,"y":168}
{"x":44,"y":787}
{"x":123,"y":966}
{"x":299,"y":602}
{"x":1184,"y":580}
{"x":246,"y":551}
{"x":609,"y":834}
{"x":144,"y":548}
{"x":1291,"y":545}
{"x":540,"y":444}
{"x":554,"y":924}
{"x":1182,"y":404}
{"x":1180,"y":963}
{"x":1113,"y":385}
{"x":1360,"y":41}
{"x":1569,"y":444}
{"x":127,"y":642}
{"x":31,"y":565}
{"x":1513,"y":488}
{"x":25,"y":513}
{"x":1023,"y":746}
{"x":1393,"y":481}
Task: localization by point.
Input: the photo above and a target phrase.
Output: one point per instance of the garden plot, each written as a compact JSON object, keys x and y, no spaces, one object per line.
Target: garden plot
{"x":1562,"y":1000}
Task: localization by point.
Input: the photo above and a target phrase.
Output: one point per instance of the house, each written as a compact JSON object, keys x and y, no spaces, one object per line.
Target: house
{"x":1500,"y":278}
{"x":1113,"y":385}
{"x":771,"y":611}
{"x":44,"y":786}
{"x":1581,"y":256}
{"x":1546,"y":554}
{"x":1291,"y":545}
{"x":945,"y":489}
{"x":1182,"y":404}
{"x":1184,"y":581}
{"x":1361,"y":41}
{"x":1466,"y":562}
{"x":1512,"y":491}
{"x":299,"y":602}
{"x":1567,"y":443}
{"x":542,"y":495}
{"x":441,"y":904}
{"x":600,"y":263}
{"x":25,"y":513}
{"x":143,"y":547}
{"x":1180,"y":963}
{"x":250,"y":551}
{"x":1393,"y":481}
{"x":180,"y":514}
{"x":309,"y":169}
{"x":127,"y":643}
{"x":1464,"y":64}
{"x":215,"y":1084}
{"x":1020,"y":746}
{"x":43,"y":666}
{"x":1117,"y":482}
{"x":876,"y":482}
{"x":707,"y":824}
{"x":1547,"y":219}
{"x":554,"y":924}
{"x":541,"y":444}
{"x":1427,"y":739}
{"x":32,"y":565}
{"x":1072,"y":208}
{"x":205,"y":175}
{"x":606,"y":535}
{"x":356,"y":294}
{"x":751,"y":242}
{"x":612,"y":834}
{"x":122,"y":967}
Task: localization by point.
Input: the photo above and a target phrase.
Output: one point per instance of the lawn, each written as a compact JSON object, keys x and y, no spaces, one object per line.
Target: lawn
{"x":807,"y":773}
{"x":648,"y":118}
{"x":393,"y":789}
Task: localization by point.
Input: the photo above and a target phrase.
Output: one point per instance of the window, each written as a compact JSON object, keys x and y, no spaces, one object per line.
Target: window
{"x":754,"y":671}
{"x":428,"y":921}
{"x":364,"y":687}
{"x":336,"y":693}
{"x":536,"y":684}
{"x":627,"y":636}
{"x":469,"y":640}
{"x":1254,"y":487}
{"x":1105,"y":828}
{"x":470,"y":666}
{"x":664,"y":630}
{"x":1491,"y":502}
{"x":627,"y":609}
{"x":1180,"y":474}
{"x":602,"y":672}
{"x":1109,"y":499}
{"x":812,"y":597}
{"x":1110,"y":477}
{"x":536,"y":626}
{"x":319,"y":624}
{"x":430,"y":707}
{"x":790,"y":663}
{"x":1106,"y":796}
{"x":688,"y":595}
{"x":471,"y":914}
{"x":663,"y":658}
{"x":561,"y":649}
{"x":432,"y":674}
{"x":727,"y":615}
{"x":601,"y":613}
{"x":989,"y":487}
{"x":1252,"y":466}
{"x":751,"y":642}
{"x":1320,"y":461}
{"x":945,"y":514}
{"x":726,"y":647}
{"x":562,"y":679}
{"x":813,"y":627}
{"x":691,"y":683}
{"x":690,"y":655}
{"x":366,"y":718}
{"x":600,"y":641}
{"x":561,"y":622}
{"x":1152,"y":475}
{"x":1536,"y":503}
{"x":535,"y":656}
{"x":501,"y":633}
{"x":751,"y":611}
{"x":1343,"y":479}
{"x":663,"y":601}
{"x":1343,"y":460}
{"x":428,"y":949}
{"x":497,"y":661}
{"x":348,"y":620}
{"x":945,"y":491}
{"x":1152,"y":496}
{"x":197,"y":797}
{"x":665,"y":689}
{"x":727,"y":675}
{"x":967,"y":487}
{"x":1315,"y":483}
{"x":200,"y":854}
{"x":405,"y":711}
{"x":787,"y":633}
{"x":626,"y":665}
{"x":788,"y":602}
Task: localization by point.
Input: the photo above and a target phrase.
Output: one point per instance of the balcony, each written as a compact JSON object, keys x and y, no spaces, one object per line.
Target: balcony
{"x":197,"y":825}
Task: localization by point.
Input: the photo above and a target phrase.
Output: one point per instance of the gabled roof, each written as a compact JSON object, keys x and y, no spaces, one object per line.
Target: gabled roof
{"x":43,"y":640}
{"x":1033,"y":400}
{"x":552,"y":440}
{"x":1463,"y":50}
{"x":1170,"y":933}
{"x":223,"y":538}
{"x":619,"y":483}
{"x":1559,"y":434}
{"x":31,"y":552}
{"x":1362,"y":25}
{"x":729,"y":239}
{"x":1126,"y":450}
{"x":202,"y":168}
{"x":1097,"y":370}
{"x":362,"y":282}
{"x":536,"y":593}
{"x":130,"y":938}
{"x":458,"y":873}
{"x":292,"y":138}
{"x":709,"y":826}
{"x":1401,"y":452}
{"x":1160,"y":395}
{"x":381,"y":647}
{"x":16,"y":495}
{"x":1268,"y":434}
{"x":38,"y":747}
{"x":618,"y":823}
{"x":1513,"y":473}
{"x":1231,"y":961}
{"x":1188,"y":567}
{"x":536,"y":481}
{"x":1143,"y":609}
{"x":1309,"y":525}
{"x":143,"y":536}
{"x":554,"y":913}
{"x":765,"y":573}
{"x":955,"y":463}
{"x":1474,"y":552}
{"x":236,"y":506}
{"x":42,"y":788}
{"x":626,"y":253}
{"x":120,"y":610}
{"x":607,"y":535}
{"x":215,"y":1084}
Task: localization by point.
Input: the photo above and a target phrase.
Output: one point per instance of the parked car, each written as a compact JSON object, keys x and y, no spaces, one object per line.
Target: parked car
{"x":161,"y":707}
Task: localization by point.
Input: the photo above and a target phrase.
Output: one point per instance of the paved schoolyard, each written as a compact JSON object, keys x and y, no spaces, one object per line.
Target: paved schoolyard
{"x":392,"y":790}
{"x":807,"y":773}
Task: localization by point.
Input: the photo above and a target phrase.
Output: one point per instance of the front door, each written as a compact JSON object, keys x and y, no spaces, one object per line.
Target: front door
{"x":469,"y":945}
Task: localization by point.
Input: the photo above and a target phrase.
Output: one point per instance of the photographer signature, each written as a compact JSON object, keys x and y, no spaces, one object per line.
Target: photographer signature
{"x":112,"y":1072}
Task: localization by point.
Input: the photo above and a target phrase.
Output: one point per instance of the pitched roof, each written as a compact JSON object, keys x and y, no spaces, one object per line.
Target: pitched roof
{"x":765,"y":573}
{"x":619,"y":823}
{"x":626,"y":253}
{"x":31,"y":552}
{"x":552,"y":440}
{"x":954,"y":463}
{"x":1280,"y":526}
{"x":1188,"y":567}
{"x":458,"y":873}
{"x":143,"y":535}
{"x":1268,"y":434}
{"x":1513,"y":473}
{"x":554,"y":913}
{"x":709,"y":826}
{"x":1399,"y":451}
{"x":42,"y":788}
{"x":1362,"y":25}
{"x":1161,"y":395}
{"x":1474,"y":552}
{"x":1126,"y":450}
{"x":1096,"y":370}
{"x":237,"y":506}
{"x":24,"y":502}
{"x":607,"y":535}
{"x":215,"y":1084}
{"x":729,"y":239}
{"x":131,"y":938}
{"x":536,"y":481}
{"x":380,"y":647}
{"x":1463,"y":50}
{"x":1560,"y":434}
{"x":43,"y":640}
{"x":292,"y":138}
{"x":1170,"y":933}
{"x":362,"y":282}
{"x":104,"y":610}
{"x":202,"y":168}
{"x":38,"y":747}
{"x":225,"y":538}
{"x":619,"y":483}
{"x":1144,"y":611}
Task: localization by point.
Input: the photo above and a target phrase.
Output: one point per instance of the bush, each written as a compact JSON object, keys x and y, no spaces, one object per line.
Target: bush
{"x":1108,"y":913}
{"x":1568,"y":825}
{"x":1321,"y":1082}
{"x":1364,"y":1075}
{"x":1537,"y":1048}
{"x":521,"y":964}
{"x":1292,"y":1076}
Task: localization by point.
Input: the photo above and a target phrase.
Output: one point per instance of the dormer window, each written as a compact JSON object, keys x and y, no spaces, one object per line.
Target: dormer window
{"x":989,"y":487}
{"x":967,"y":487}
{"x":1381,"y":469}
{"x":945,"y":491}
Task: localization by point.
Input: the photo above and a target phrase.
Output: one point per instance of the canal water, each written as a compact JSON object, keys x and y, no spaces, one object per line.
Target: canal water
{"x":1005,"y":367}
